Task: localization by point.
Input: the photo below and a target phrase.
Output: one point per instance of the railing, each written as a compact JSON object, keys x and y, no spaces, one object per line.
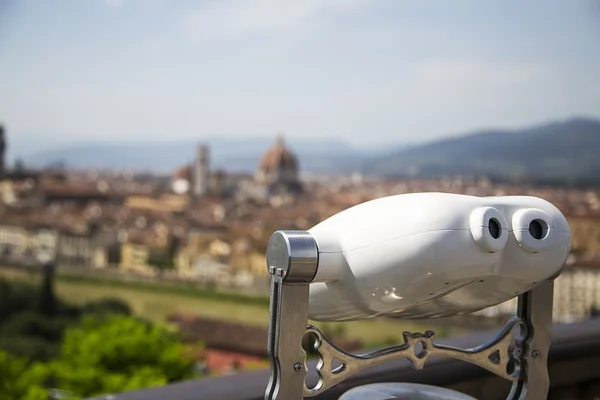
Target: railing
{"x":573,"y":365}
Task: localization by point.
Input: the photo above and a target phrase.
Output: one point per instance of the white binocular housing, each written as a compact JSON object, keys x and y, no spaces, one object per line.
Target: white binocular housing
{"x":424,"y":255}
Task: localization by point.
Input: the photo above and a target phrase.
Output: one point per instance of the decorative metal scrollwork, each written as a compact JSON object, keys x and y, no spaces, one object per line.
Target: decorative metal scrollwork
{"x":495,"y":355}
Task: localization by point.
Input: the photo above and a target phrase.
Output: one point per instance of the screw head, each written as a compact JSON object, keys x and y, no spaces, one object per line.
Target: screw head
{"x":517,"y":352}
{"x":535,"y":354}
{"x":297,"y":367}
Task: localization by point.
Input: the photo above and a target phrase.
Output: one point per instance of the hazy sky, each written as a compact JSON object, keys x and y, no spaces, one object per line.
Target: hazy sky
{"x":370,"y":72}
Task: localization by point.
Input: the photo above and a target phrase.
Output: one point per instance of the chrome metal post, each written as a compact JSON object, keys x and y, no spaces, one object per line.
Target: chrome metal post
{"x":535,"y":309}
{"x":292,"y":259}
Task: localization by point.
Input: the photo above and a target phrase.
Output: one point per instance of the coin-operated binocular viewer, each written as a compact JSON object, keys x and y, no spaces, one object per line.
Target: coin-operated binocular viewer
{"x":424,"y":255}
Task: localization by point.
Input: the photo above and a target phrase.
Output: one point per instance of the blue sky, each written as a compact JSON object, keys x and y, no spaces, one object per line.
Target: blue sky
{"x":370,"y":72}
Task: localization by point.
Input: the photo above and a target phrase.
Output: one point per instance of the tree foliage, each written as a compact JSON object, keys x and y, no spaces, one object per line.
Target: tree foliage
{"x":104,"y":354}
{"x":85,"y":351}
{"x":26,"y":330}
{"x":116,"y":353}
{"x":21,"y":380}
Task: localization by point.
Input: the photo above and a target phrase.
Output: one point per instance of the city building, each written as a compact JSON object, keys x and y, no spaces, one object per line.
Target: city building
{"x":2,"y":150}
{"x":194,"y":178}
{"x":201,"y":172}
{"x":278,"y":170}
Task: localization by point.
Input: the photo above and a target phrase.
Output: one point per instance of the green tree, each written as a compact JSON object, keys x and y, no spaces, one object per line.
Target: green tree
{"x":117,"y":353}
{"x":20,"y":380}
{"x":24,"y":330}
{"x":32,"y":335}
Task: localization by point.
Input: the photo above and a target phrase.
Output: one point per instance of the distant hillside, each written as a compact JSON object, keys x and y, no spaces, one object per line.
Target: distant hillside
{"x":229,"y":154}
{"x":559,"y":151}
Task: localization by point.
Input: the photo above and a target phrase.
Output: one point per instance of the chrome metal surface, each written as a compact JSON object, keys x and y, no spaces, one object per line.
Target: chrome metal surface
{"x":535,"y":309}
{"x":295,"y":253}
{"x":493,"y":355}
{"x":292,"y":259}
{"x":288,"y":359}
{"x":403,"y":391}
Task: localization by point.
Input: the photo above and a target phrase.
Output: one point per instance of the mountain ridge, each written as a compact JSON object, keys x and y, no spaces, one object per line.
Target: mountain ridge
{"x":559,"y":150}
{"x":552,"y":151}
{"x":234,"y":154}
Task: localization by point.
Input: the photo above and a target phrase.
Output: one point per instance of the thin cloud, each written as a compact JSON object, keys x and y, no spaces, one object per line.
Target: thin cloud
{"x":114,"y":3}
{"x":472,"y":72}
{"x":229,"y":18}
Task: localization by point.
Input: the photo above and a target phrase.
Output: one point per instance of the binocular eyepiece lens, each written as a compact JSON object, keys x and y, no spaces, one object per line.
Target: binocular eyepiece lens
{"x":538,"y":229}
{"x":494,"y":228}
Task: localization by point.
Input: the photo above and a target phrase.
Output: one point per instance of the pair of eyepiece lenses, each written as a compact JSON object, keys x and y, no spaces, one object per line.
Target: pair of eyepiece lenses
{"x":537,"y":228}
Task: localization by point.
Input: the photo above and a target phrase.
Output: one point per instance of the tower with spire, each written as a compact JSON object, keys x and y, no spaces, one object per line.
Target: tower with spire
{"x":2,"y":151}
{"x":201,"y":172}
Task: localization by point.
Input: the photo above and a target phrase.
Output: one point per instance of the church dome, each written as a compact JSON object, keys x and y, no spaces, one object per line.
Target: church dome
{"x":278,"y":158}
{"x":184,"y":172}
{"x":278,"y":170}
{"x":182,"y":179}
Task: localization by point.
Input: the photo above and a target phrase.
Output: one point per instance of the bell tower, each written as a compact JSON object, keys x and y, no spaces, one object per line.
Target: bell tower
{"x":200,"y":174}
{"x":2,"y":151}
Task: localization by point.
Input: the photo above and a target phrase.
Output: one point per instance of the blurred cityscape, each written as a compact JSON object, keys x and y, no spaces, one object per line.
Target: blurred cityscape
{"x":212,"y":226}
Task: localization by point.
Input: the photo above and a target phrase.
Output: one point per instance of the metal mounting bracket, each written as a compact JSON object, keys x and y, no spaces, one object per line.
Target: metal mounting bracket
{"x":293,"y":258}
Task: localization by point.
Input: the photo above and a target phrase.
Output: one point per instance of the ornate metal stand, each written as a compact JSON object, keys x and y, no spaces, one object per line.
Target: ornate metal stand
{"x":292,"y":260}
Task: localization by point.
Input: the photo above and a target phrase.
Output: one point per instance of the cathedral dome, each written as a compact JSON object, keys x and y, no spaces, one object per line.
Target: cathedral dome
{"x":278,"y":169}
{"x":184,"y":172}
{"x":182,"y":179}
{"x":278,"y":158}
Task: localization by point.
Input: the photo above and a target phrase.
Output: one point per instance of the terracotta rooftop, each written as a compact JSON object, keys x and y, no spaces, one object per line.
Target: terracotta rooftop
{"x":222,"y":335}
{"x":184,"y":172}
{"x":63,"y":190}
{"x":278,"y":157}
